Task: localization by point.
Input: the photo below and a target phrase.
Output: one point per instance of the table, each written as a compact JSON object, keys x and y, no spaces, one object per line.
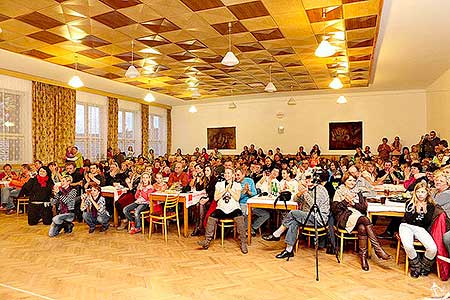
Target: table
{"x":389,"y":209}
{"x":188,"y":199}
{"x":393,"y":188}
{"x":264,"y":202}
{"x":110,"y":191}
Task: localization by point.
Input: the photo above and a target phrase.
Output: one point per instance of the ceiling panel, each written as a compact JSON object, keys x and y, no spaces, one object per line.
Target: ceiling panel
{"x":176,"y":41}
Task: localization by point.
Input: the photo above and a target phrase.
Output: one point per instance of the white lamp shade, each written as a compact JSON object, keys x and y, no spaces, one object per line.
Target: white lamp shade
{"x":270,"y":87}
{"x":341,"y":100}
{"x":336,"y":83}
{"x":325,"y":49}
{"x":230,"y":59}
{"x":132,"y":72}
{"x":149,"y":97}
{"x":291,"y":101}
{"x":192,"y":109}
{"x":232,"y":105}
{"x":76,"y":82}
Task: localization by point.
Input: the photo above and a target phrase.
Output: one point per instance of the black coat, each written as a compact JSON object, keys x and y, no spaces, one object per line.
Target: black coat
{"x":35,"y":192}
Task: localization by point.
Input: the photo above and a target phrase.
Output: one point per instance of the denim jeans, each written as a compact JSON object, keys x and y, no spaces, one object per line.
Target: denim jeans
{"x":91,"y":221}
{"x":138,"y":208}
{"x":7,"y":196}
{"x":261,"y":216}
{"x":293,"y":220}
{"x":57,"y":221}
{"x":407,"y":234}
{"x":245,"y":213}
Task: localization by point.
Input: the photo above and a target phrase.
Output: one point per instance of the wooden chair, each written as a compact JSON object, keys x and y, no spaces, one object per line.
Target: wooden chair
{"x":171,"y":202}
{"x":310,"y":232}
{"x":416,"y":244}
{"x":21,"y":201}
{"x":225,"y":223}
{"x":343,"y":235}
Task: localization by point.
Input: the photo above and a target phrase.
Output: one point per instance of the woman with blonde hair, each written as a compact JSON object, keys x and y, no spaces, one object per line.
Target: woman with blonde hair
{"x":418,"y":217}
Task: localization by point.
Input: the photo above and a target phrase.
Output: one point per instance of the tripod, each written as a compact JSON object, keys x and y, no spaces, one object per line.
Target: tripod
{"x":315,"y":210}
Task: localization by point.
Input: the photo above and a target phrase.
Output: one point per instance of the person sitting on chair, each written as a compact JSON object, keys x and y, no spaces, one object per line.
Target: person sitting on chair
{"x":64,"y":204}
{"x":349,"y":208}
{"x":227,"y":195}
{"x":418,"y":218}
{"x":296,"y":218}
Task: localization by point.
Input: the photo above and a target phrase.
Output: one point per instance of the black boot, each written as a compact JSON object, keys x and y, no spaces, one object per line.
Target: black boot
{"x":209,"y":234}
{"x":425,"y":266}
{"x":68,"y":227}
{"x":242,"y":233}
{"x":414,"y":265}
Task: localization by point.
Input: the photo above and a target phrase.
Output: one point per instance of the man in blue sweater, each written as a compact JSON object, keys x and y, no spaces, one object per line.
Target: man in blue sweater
{"x":248,"y":191}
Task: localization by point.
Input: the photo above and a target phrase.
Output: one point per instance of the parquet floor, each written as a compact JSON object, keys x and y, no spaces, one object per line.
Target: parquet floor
{"x":115,"y":265}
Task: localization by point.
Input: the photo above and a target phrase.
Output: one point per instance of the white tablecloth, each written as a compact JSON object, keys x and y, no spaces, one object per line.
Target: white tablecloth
{"x":389,"y":187}
{"x":388,"y":207}
{"x":192,"y":198}
{"x":268,"y":200}
{"x":116,"y":191}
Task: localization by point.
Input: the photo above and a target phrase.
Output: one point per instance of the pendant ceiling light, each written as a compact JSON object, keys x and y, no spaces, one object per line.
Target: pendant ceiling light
{"x":196,"y":93}
{"x":341,"y":100}
{"x":325,"y":49}
{"x":132,"y":72}
{"x":270,"y":87}
{"x":192,"y":109}
{"x":75,"y":81}
{"x":336,"y":83}
{"x":149,"y":96}
{"x":229,"y":60}
{"x":291,"y":100}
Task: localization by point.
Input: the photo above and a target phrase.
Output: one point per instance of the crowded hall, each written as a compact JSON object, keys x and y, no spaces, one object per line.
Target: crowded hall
{"x":224,"y":149}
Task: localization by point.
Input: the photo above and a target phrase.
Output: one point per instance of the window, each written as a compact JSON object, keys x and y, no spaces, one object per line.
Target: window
{"x":127,"y":131}
{"x":88,"y":137}
{"x":11,"y":130}
{"x":157,"y":134}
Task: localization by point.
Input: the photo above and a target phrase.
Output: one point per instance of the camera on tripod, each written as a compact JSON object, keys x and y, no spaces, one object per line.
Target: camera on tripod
{"x":317,"y":175}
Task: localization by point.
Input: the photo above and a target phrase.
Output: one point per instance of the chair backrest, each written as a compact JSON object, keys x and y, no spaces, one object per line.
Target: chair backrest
{"x":171,"y":201}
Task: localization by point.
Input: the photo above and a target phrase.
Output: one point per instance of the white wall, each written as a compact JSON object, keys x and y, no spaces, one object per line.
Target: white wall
{"x":438,"y":104}
{"x":401,"y":113}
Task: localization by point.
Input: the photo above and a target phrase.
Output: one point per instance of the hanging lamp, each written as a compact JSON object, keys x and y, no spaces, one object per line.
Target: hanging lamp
{"x":229,"y":60}
{"x":132,"y":72}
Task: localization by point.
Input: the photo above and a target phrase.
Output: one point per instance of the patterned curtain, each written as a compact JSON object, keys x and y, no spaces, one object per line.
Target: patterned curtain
{"x":53,"y":121}
{"x":169,"y":131}
{"x":144,"y":118}
{"x":113,"y":123}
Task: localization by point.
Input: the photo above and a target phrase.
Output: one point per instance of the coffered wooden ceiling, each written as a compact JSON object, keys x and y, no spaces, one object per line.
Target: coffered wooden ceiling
{"x":180,"y":43}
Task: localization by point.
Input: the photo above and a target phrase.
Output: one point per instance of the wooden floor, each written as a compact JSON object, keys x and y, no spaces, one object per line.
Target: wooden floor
{"x":115,"y":265}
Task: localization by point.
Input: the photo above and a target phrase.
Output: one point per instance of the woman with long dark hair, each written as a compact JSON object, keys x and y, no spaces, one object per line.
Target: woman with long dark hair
{"x":208,"y":184}
{"x":39,"y":190}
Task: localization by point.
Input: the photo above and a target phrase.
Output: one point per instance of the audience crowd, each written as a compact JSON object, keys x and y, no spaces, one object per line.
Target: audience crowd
{"x":342,"y":186}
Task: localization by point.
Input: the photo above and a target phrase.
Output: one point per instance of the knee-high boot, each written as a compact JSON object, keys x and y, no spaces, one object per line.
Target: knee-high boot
{"x":379,"y":251}
{"x":362,"y":243}
{"x":241,"y":230}
{"x":425,"y":266}
{"x":209,"y":234}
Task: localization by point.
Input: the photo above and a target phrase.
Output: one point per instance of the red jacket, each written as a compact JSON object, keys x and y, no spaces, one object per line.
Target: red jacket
{"x":438,"y":229}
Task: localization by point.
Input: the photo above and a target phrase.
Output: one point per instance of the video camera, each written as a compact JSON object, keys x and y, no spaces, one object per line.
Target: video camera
{"x":318,"y":175}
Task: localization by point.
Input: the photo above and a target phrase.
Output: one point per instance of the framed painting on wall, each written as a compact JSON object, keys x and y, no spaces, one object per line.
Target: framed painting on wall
{"x":345,"y":135}
{"x":221,"y":138}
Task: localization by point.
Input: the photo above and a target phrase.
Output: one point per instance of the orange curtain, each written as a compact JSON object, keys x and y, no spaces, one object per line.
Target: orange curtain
{"x":113,"y":123}
{"x":144,"y":118}
{"x":169,"y":131}
{"x":53,"y":121}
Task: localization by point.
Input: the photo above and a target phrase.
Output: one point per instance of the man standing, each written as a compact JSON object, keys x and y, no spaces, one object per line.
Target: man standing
{"x":384,"y":150}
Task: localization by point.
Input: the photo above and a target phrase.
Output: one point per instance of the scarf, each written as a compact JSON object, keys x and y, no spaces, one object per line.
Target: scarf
{"x":42,"y":180}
